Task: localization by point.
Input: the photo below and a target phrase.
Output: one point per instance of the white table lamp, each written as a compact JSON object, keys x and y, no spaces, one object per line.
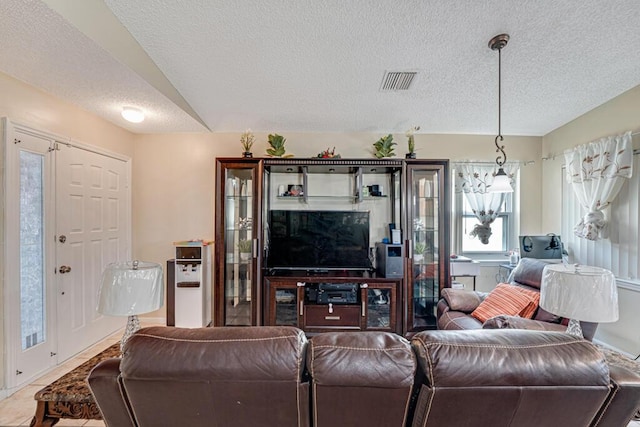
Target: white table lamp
{"x":579,"y":293}
{"x":128,"y":289}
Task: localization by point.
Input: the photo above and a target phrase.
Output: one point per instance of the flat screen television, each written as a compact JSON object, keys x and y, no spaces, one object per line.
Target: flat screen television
{"x":318,"y":240}
{"x":547,"y":247}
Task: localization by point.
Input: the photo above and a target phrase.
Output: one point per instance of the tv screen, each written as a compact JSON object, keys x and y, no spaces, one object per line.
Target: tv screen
{"x":541,"y":247}
{"x":309,"y":240}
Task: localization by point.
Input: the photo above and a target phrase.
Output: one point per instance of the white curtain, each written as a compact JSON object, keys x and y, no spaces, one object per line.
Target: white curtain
{"x":596,"y":172}
{"x":475,"y":180}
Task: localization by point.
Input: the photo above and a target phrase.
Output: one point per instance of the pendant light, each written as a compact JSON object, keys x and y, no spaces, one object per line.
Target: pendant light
{"x":501,"y":182}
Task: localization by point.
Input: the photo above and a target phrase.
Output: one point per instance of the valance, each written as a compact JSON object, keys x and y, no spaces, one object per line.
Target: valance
{"x":596,"y":171}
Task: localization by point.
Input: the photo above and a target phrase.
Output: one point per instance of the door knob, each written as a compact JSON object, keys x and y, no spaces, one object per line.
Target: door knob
{"x":64,"y":269}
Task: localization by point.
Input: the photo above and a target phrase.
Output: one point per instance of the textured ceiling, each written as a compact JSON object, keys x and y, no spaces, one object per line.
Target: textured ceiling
{"x":317,"y":65}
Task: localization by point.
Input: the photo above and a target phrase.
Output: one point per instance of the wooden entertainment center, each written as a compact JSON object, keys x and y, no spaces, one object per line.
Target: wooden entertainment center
{"x":392,"y":282}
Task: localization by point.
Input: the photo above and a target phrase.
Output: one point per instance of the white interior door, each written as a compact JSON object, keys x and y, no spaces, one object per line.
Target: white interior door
{"x":29,"y":303}
{"x":92,"y":230}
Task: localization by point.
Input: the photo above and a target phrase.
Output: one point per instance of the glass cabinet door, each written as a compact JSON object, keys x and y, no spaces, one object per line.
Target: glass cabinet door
{"x":238,"y":245}
{"x":380,"y":303}
{"x":285,"y":304}
{"x":428,"y":244}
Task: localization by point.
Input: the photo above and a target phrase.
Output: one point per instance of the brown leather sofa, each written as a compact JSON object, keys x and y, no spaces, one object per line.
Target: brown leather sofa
{"x":456,"y":305}
{"x":274,"y":376}
{"x":518,"y":378}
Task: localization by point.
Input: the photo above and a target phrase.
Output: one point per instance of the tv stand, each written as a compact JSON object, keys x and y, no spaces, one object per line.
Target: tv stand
{"x":333,"y":301}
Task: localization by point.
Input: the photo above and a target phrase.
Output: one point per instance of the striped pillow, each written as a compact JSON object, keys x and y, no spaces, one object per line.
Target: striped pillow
{"x":503,"y":299}
{"x":530,"y":310}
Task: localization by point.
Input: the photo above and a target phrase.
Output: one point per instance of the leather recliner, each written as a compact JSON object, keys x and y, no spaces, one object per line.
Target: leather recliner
{"x":456,"y":305}
{"x":206,"y":377}
{"x":518,"y":378}
{"x":274,"y":376}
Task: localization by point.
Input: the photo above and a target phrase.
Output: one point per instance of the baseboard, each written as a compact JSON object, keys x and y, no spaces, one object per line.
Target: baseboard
{"x":609,"y":346}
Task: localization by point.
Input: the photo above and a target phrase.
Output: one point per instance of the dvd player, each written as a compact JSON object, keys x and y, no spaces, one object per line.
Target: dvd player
{"x":334,"y":293}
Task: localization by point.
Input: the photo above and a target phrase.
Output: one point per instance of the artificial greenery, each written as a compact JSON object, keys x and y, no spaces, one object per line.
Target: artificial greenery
{"x":384,"y":147}
{"x":277,"y":146}
{"x":247,"y":139}
{"x":244,"y":246}
{"x":411,"y":141}
{"x":419,"y":248}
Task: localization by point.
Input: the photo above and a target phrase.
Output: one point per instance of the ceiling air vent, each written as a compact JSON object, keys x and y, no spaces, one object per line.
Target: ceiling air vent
{"x":397,"y":80}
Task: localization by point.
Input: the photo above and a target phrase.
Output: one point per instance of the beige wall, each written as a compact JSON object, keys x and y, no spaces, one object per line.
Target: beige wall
{"x":173,"y":175}
{"x":614,"y":117}
{"x":23,"y":104}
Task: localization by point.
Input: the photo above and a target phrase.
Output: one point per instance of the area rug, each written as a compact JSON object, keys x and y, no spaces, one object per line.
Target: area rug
{"x":69,"y":396}
{"x":617,"y":359}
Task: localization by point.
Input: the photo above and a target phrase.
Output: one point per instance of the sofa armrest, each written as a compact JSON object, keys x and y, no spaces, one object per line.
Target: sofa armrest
{"x":462,"y":300}
{"x":623,"y":401}
{"x":104,"y":383}
{"x":515,"y":322}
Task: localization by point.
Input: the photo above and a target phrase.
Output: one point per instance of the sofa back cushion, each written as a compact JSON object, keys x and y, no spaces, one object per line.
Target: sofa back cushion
{"x":528,"y":275}
{"x":361,"y":378}
{"x":508,"y":377}
{"x":235,"y":376}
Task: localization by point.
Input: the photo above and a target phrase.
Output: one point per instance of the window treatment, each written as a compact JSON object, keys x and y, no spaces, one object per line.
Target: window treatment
{"x":597,"y":171}
{"x":475,"y":180}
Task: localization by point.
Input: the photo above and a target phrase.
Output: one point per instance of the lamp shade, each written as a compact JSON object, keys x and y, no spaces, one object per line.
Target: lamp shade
{"x":130,"y":288}
{"x":579,"y":292}
{"x":501,"y":183}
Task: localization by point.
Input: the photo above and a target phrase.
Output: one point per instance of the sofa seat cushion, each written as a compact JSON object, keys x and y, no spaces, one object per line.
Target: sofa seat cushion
{"x":505,"y":299}
{"x":517,"y":322}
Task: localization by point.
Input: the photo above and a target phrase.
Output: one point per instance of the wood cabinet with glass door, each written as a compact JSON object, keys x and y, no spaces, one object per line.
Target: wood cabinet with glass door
{"x":238,"y":242}
{"x":427,"y":238}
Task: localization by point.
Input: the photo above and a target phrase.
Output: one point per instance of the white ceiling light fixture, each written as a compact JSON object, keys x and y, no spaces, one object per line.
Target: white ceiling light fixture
{"x":132,"y":114}
{"x":501,"y":182}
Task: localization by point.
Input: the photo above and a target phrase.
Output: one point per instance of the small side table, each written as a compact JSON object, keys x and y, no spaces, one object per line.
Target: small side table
{"x":504,"y":271}
{"x":465,"y":269}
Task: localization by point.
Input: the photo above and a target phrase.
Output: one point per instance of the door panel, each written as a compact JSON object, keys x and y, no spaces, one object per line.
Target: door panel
{"x":29,"y":198}
{"x":92,"y":203}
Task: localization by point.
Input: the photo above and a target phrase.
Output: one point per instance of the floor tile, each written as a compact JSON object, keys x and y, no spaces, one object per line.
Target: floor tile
{"x":94,"y":423}
{"x":19,"y":407}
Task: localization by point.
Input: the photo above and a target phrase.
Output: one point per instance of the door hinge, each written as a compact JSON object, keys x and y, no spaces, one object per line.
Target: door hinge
{"x":16,"y":141}
{"x":18,"y":372}
{"x":52,"y":354}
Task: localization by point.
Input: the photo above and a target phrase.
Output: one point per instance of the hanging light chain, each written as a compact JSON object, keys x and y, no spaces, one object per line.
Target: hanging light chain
{"x":497,"y":43}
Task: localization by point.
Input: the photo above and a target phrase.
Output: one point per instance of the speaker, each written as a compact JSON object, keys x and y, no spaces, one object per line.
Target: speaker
{"x":389,"y":260}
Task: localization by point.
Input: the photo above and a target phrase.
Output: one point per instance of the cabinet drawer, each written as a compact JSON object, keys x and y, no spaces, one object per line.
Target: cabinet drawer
{"x":342,"y":316}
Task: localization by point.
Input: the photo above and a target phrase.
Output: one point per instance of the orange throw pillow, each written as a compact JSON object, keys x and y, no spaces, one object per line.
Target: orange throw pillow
{"x":530,"y":310}
{"x":504,"y":299}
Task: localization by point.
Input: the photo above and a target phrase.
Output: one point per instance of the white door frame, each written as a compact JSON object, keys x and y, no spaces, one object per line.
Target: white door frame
{"x":11,"y":301}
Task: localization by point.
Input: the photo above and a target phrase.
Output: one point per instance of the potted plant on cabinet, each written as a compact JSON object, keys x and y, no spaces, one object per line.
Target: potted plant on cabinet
{"x":277,"y":146}
{"x":244,"y":246}
{"x":247,"y":139}
{"x":384,"y":147}
{"x":418,"y":251}
{"x":411,"y":143}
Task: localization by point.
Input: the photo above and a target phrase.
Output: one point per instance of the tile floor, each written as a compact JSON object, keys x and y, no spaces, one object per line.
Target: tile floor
{"x":18,"y":409}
